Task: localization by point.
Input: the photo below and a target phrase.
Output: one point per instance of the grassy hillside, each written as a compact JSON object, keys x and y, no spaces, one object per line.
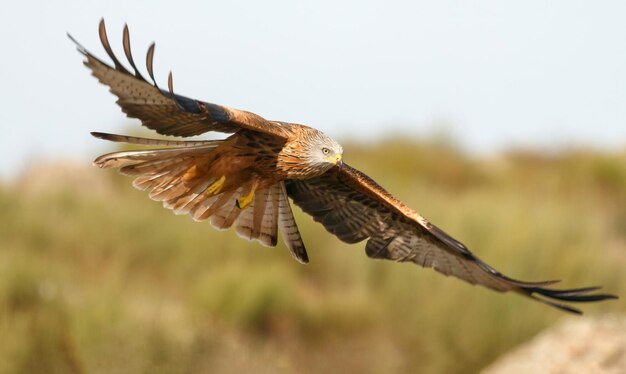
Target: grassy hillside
{"x":95,"y":277}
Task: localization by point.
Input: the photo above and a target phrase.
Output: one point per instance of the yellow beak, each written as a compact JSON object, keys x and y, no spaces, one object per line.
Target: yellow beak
{"x":334,"y":160}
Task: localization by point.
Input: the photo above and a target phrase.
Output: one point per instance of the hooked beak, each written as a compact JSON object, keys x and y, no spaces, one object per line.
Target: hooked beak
{"x":338,"y":161}
{"x":335,"y":160}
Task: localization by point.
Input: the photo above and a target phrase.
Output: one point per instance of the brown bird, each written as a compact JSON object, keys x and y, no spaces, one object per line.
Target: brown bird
{"x":245,"y":180}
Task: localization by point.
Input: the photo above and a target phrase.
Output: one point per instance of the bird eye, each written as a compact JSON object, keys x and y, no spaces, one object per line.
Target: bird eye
{"x":325,"y":151}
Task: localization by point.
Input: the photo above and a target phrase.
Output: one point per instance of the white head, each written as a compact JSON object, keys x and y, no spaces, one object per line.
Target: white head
{"x":323,"y":152}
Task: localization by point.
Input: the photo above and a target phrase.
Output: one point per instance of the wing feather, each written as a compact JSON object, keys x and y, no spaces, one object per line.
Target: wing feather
{"x":163,"y":111}
{"x":353,"y":207}
{"x":288,"y":227}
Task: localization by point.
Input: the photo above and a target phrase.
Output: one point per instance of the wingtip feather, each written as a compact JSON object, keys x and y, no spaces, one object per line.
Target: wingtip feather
{"x":149,"y":63}
{"x":575,"y":295}
{"x":79,"y":47}
{"x":99,"y":135}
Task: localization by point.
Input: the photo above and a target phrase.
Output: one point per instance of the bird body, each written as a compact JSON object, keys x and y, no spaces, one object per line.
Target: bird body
{"x":247,"y":179}
{"x":247,"y":167}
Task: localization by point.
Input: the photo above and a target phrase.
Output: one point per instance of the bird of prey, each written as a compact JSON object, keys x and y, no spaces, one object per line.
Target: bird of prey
{"x":246,"y":180}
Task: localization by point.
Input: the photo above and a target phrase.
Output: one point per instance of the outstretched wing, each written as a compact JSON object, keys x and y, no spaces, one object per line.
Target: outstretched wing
{"x":163,"y":111}
{"x":170,"y":176}
{"x":353,"y":207}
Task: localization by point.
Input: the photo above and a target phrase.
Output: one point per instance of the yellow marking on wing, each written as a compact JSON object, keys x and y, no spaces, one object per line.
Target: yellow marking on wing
{"x":216,"y":187}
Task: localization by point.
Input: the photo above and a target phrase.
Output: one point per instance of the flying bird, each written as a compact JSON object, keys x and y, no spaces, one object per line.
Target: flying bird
{"x":247,"y":179}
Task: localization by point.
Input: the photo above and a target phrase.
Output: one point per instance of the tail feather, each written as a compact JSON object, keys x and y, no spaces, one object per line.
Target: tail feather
{"x":260,"y":220}
{"x":289,"y":228}
{"x":245,"y":223}
{"x":225,"y":216}
{"x":265,"y":219}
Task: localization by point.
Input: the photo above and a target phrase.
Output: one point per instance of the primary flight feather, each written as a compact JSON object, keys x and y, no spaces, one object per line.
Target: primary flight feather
{"x":246,"y":179}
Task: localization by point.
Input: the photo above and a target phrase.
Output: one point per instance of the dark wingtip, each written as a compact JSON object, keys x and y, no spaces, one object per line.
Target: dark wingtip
{"x":303,"y":258}
{"x":576,"y":295}
{"x":72,"y":38}
{"x":301,"y":255}
{"x":79,"y":46}
{"x":99,"y":135}
{"x":217,"y":113}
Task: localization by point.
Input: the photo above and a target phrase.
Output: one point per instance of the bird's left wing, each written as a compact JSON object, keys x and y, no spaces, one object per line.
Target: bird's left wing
{"x":353,"y":207}
{"x":162,"y":110}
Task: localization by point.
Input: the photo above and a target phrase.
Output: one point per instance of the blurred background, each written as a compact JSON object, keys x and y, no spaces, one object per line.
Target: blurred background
{"x":502,"y":123}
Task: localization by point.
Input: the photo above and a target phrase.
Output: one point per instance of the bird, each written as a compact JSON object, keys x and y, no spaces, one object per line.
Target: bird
{"x":247,"y":179}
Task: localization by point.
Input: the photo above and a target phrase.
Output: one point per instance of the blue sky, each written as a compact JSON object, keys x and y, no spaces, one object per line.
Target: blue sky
{"x":492,"y":74}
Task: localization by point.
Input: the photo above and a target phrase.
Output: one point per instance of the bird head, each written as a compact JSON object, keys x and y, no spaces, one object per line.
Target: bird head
{"x":324,"y":152}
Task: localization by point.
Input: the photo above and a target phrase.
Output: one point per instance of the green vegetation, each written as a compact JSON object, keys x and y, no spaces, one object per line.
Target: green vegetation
{"x":96,"y":278}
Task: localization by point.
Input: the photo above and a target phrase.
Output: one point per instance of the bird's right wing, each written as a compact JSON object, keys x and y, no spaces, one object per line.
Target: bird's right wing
{"x":353,"y":207}
{"x":163,"y":111}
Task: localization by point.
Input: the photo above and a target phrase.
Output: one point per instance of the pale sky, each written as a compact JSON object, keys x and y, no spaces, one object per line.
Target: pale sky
{"x":492,"y":74}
